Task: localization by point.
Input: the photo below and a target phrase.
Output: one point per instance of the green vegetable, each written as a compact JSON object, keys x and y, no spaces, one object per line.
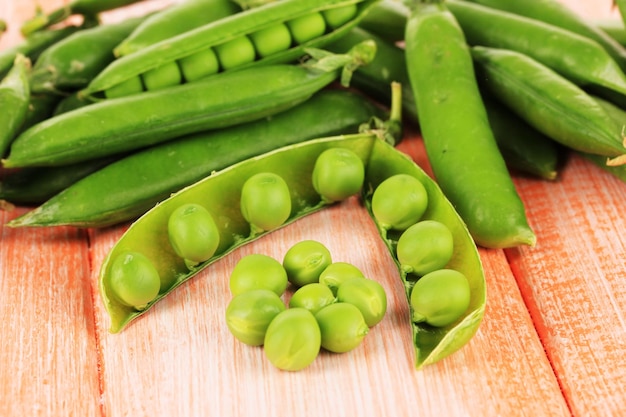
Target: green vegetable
{"x":14,"y":101}
{"x":338,"y":174}
{"x":141,"y":120}
{"x":305,"y":261}
{"x":257,"y":271}
{"x":613,"y":27}
{"x":367,"y":295}
{"x":193,"y":233}
{"x":235,"y":28}
{"x":549,"y":102}
{"x":459,"y":141}
{"x":174,"y":20}
{"x":399,"y":202}
{"x":440,"y":297}
{"x":342,"y":327}
{"x":293,"y":339}
{"x":424,"y":247}
{"x":134,"y":281}
{"x":250,"y":313}
{"x":130,"y":186}
{"x":265,"y":202}
{"x":313,"y":297}
{"x":338,"y":272}
{"x":307,"y":27}
{"x":383,"y":20}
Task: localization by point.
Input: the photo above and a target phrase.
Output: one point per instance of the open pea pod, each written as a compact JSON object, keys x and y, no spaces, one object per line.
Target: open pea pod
{"x":231,"y":28}
{"x":220,"y":195}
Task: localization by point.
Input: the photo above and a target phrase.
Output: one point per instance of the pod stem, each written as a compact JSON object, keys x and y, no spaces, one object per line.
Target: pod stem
{"x":389,"y":130}
{"x":360,"y":54}
{"x":42,"y":20}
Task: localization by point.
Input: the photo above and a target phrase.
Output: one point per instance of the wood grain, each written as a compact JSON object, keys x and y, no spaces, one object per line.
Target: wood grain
{"x":551,"y":344}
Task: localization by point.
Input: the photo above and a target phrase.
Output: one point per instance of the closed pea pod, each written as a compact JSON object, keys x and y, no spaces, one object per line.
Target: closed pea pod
{"x":14,"y":101}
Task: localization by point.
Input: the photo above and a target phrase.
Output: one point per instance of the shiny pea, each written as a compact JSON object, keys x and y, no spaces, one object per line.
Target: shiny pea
{"x":399,"y":202}
{"x":249,"y":314}
{"x":134,"y":279}
{"x":271,"y":40}
{"x":257,"y":271}
{"x":235,"y":52}
{"x":192,"y":232}
{"x":337,"y":272}
{"x":166,"y":75}
{"x":342,"y":326}
{"x":305,"y":28}
{"x":338,"y":173}
{"x":337,"y":16}
{"x":292,"y":340}
{"x":265,"y":201}
{"x":199,"y":65}
{"x":305,"y":261}
{"x":367,"y":295}
{"x":440,"y":297}
{"x":312,"y":296}
{"x":424,"y":247}
{"x":133,"y":85}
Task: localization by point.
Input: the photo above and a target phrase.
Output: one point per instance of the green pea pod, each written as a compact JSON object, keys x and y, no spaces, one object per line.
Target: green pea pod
{"x":73,"y":62}
{"x":613,"y":27}
{"x":578,"y":58}
{"x":40,"y":108}
{"x":550,"y":103}
{"x":174,"y":20}
{"x":33,"y":46}
{"x":387,"y":19}
{"x":559,"y":14}
{"x":140,"y":120}
{"x":233,"y":28}
{"x":87,"y":8}
{"x":459,"y":141}
{"x":129,"y":187}
{"x":14,"y":100}
{"x":219,"y":193}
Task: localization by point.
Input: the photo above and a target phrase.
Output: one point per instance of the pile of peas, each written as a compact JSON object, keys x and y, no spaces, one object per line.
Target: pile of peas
{"x":238,"y":51}
{"x":333,"y":306}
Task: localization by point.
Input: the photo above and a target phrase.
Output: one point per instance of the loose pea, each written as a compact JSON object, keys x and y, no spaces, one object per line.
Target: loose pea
{"x":199,"y":65}
{"x":258,"y":271}
{"x":271,"y":40}
{"x":307,"y":27}
{"x":338,"y":173}
{"x":337,"y":16}
{"x":193,"y":233}
{"x":293,"y":339}
{"x":249,"y":314}
{"x":342,"y":326}
{"x":367,"y":295}
{"x":440,"y":297}
{"x":424,"y":247}
{"x":133,"y":85}
{"x":312,"y":296}
{"x":134,"y":279}
{"x":305,"y":261}
{"x":164,"y":76}
{"x":235,"y":52}
{"x":334,"y":274}
{"x":399,"y":202}
{"x":265,"y":201}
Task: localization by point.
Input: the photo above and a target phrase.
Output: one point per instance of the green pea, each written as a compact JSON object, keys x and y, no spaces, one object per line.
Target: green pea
{"x":305,"y":261}
{"x":399,"y":202}
{"x":338,"y":173}
{"x":199,"y":65}
{"x":312,"y":296}
{"x":249,"y":314}
{"x":367,"y":295}
{"x":337,"y":272}
{"x":235,"y":52}
{"x":265,"y":201}
{"x":166,"y":75}
{"x":257,"y":271}
{"x":292,"y":340}
{"x":271,"y":40}
{"x":337,"y":16}
{"x":305,"y":28}
{"x":342,"y":326}
{"x":131,"y":86}
{"x":424,"y":247}
{"x":134,"y":279}
{"x":440,"y":297}
{"x":193,"y":234}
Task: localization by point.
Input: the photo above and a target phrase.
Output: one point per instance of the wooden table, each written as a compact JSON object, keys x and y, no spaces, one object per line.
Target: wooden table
{"x":552,"y":343}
